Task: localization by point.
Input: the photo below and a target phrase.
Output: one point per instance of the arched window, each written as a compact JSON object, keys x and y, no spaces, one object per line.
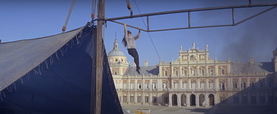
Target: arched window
{"x":193,"y":72}
{"x":165,"y":73}
{"x":185,"y":72}
{"x":222,"y":72}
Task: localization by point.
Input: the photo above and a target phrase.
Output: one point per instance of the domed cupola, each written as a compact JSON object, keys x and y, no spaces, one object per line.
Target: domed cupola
{"x":115,"y":51}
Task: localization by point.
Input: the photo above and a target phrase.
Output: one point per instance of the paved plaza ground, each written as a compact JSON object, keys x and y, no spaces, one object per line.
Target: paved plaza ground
{"x":204,"y":110}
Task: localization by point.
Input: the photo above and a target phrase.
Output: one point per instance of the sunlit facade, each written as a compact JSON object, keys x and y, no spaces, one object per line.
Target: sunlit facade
{"x":194,"y":79}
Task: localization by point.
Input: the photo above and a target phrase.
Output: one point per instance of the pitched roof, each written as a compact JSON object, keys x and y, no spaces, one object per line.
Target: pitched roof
{"x":259,"y":67}
{"x":144,"y":70}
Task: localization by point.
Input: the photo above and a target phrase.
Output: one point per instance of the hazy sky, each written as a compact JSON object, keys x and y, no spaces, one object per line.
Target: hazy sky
{"x":257,"y":37}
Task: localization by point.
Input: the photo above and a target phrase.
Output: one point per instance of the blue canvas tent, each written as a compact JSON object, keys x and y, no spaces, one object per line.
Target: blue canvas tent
{"x":54,"y":75}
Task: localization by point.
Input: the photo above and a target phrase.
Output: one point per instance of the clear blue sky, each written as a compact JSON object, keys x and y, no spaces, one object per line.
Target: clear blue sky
{"x":257,"y":37}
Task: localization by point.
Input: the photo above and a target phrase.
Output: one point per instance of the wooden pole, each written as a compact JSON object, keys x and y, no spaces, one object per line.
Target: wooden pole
{"x":99,"y":59}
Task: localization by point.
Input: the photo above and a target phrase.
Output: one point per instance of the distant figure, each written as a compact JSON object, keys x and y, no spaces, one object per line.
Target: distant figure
{"x":130,"y":43}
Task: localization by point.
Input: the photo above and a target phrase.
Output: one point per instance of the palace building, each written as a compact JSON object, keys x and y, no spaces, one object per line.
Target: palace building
{"x":194,"y":79}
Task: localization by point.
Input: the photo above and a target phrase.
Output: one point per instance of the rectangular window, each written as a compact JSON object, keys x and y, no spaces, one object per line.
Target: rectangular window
{"x":139,"y":99}
{"x":125,"y":99}
{"x":146,"y":86}
{"x":139,"y":86}
{"x":193,"y":72}
{"x":125,"y":86}
{"x":202,"y":72}
{"x":176,"y":72}
{"x":185,"y":85}
{"x":154,"y":99}
{"x":176,"y":85}
{"x":165,"y":100}
{"x":185,"y":72}
{"x":211,"y":85}
{"x":222,"y":72}
{"x":202,"y":85}
{"x":147,"y":99}
{"x":212,"y":72}
{"x":154,"y":86}
{"x":235,"y":85}
{"x":193,"y":85}
{"x":252,"y":85}
{"x":131,"y":99}
{"x":165,"y":73}
{"x":132,"y":86}
{"x":165,"y":85}
{"x":244,"y":85}
{"x":222,"y":86}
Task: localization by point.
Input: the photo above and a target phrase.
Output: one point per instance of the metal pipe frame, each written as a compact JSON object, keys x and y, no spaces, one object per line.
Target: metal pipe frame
{"x":194,"y":10}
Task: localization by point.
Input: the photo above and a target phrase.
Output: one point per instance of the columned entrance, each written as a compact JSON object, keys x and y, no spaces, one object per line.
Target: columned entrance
{"x":183,"y":100}
{"x":201,"y":100}
{"x":211,"y":99}
{"x":174,"y":100}
{"x":192,"y":100}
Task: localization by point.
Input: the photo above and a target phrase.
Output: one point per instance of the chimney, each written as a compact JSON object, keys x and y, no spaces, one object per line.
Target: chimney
{"x":134,"y":64}
{"x":145,"y":63}
{"x":251,"y":60}
{"x":238,"y":61}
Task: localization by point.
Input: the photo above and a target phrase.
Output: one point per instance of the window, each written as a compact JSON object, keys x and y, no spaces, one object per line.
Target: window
{"x":193,"y":72}
{"x":154,"y":99}
{"x":222,"y":86}
{"x":244,"y":85}
{"x":165,"y":85}
{"x":124,"y":98}
{"x":131,"y":99}
{"x":115,"y":73}
{"x":193,"y":85}
{"x":176,"y":85}
{"x":212,"y":72}
{"x":202,"y":85}
{"x":176,"y":72}
{"x":235,"y":85}
{"x":146,"y":99}
{"x":111,"y":60}
{"x":252,"y":85}
{"x":154,"y":86}
{"x":125,"y":86}
{"x":139,"y":86}
{"x":132,"y":86}
{"x":139,"y":99}
{"x":165,"y":100}
{"x":146,"y":86}
{"x":185,"y":85}
{"x":116,"y":60}
{"x":211,"y":85}
{"x":165,"y":73}
{"x":185,"y":72}
{"x":222,"y":72}
{"x":202,"y":72}
{"x":122,"y":60}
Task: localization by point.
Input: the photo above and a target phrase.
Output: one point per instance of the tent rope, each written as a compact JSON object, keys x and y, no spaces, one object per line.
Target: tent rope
{"x":148,"y":32}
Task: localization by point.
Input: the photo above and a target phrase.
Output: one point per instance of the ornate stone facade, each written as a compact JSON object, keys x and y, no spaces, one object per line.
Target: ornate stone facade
{"x":195,"y":79}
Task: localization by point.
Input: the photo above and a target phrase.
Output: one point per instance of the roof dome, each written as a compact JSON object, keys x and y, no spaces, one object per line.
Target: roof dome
{"x":116,"y":51}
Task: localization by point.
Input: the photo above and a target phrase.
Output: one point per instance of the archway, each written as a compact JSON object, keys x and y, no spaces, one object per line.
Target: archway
{"x":192,"y":100}
{"x":183,"y":100}
{"x":211,"y":99}
{"x":174,"y":99}
{"x":201,"y":100}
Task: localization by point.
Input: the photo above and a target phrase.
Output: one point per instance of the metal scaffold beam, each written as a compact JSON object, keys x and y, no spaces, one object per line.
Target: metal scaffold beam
{"x":274,"y":5}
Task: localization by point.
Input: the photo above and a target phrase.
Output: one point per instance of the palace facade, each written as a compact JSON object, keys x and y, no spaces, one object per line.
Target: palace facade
{"x":195,"y":79}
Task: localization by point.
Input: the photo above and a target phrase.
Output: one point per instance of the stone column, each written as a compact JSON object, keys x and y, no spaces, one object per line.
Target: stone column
{"x":170,"y":100}
{"x":179,"y":100}
{"x":207,"y":83}
{"x":216,"y":70}
{"x":150,"y":85}
{"x":231,"y":84}
{"x":136,"y":96}
{"x":207,"y":72}
{"x":197,"y":71}
{"x":143,"y":98}
{"x":257,"y":84}
{"x":248,"y":82}
{"x":189,"y":83}
{"x":197,"y":100}
{"x":206,"y":100}
{"x":159,"y":98}
{"x":198,"y":84}
{"x":228,"y":83}
{"x":150,"y":98}
{"x":188,"y":99}
{"x":128,"y":98}
{"x":239,"y":84}
{"x":136,"y":84}
{"x":171,"y":86}
{"x":180,"y":84}
{"x":215,"y":99}
{"x":216,"y":84}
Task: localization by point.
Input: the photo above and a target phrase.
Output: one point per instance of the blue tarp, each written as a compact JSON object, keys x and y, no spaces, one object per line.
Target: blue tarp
{"x":53,"y":75}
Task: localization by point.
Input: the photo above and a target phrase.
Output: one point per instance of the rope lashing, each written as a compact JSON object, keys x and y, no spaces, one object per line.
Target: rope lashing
{"x":129,"y":6}
{"x":69,"y":13}
{"x":93,"y":9}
